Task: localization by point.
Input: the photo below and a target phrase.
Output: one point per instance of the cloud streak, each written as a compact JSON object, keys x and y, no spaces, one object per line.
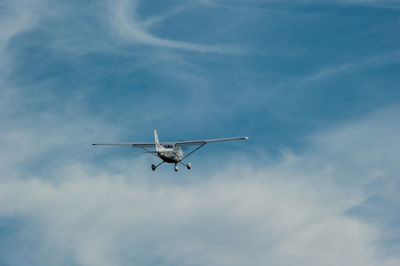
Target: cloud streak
{"x":125,"y":21}
{"x":15,"y":17}
{"x":371,"y":61}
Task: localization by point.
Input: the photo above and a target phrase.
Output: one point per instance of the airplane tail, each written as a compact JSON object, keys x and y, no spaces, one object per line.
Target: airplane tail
{"x":157,"y":142}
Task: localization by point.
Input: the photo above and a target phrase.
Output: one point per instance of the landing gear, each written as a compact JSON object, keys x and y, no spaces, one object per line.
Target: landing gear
{"x":188,"y":165}
{"x":154,"y":167}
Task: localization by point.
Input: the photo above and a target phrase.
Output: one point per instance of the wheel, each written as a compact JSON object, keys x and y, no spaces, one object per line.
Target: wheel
{"x":176,"y":168}
{"x":153,"y":167}
{"x":189,"y":165}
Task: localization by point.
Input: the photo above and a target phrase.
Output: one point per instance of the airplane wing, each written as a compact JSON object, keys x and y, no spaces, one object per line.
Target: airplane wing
{"x":180,"y":143}
{"x":132,"y":144}
{"x":205,"y":141}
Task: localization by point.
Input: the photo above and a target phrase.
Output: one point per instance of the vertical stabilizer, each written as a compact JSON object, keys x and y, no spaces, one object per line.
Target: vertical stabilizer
{"x":158,"y":145}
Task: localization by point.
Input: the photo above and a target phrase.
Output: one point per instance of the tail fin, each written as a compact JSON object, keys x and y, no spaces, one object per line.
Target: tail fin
{"x":158,"y":145}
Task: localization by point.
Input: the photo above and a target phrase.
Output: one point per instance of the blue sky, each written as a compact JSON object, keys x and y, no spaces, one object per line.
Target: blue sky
{"x":313,"y":84}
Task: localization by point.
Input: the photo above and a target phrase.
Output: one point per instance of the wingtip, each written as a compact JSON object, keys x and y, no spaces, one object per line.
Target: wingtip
{"x":246,"y":137}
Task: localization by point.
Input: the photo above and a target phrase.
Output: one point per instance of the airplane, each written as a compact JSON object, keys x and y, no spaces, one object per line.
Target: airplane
{"x":170,"y":152}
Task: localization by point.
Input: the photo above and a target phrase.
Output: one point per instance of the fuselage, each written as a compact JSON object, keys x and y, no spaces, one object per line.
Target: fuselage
{"x":171,"y":154}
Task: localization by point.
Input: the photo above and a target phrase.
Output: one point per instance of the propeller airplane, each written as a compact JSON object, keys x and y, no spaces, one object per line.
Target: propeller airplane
{"x":170,"y":152}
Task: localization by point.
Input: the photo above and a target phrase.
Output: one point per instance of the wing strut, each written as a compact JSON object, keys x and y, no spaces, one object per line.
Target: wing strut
{"x":152,"y":152}
{"x":190,"y":153}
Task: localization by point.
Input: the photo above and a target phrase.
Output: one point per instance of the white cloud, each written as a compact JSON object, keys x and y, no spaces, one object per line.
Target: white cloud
{"x":256,"y":219}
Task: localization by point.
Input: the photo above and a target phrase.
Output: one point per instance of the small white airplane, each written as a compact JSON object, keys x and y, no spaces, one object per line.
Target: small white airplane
{"x":170,"y":152}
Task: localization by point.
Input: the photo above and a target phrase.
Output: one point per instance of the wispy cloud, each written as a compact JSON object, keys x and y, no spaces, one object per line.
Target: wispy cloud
{"x":126,"y":23}
{"x":389,"y":4}
{"x":15,"y":17}
{"x":371,"y":61}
